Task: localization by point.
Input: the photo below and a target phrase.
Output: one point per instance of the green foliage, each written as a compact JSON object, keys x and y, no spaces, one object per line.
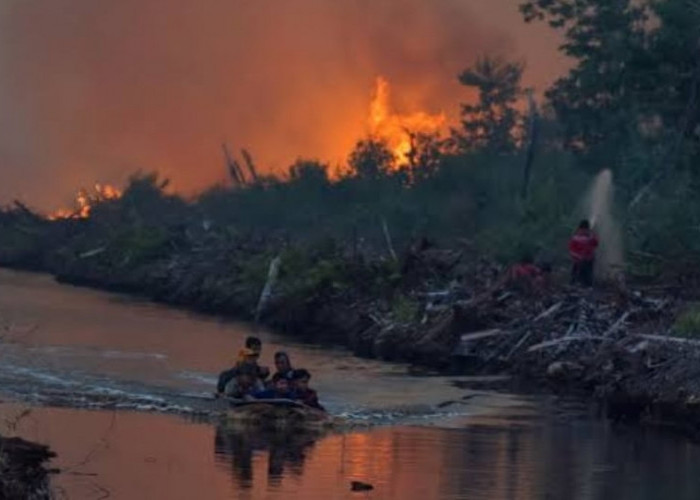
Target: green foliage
{"x":404,"y":309}
{"x":138,"y":245}
{"x":608,"y":41}
{"x":635,"y":77}
{"x":688,"y":322}
{"x":490,"y":123}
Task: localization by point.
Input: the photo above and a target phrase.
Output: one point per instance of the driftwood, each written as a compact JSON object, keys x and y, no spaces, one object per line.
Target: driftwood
{"x":549,"y":311}
{"x":557,"y":342}
{"x":616,"y":326}
{"x":92,"y":253}
{"x":665,"y":338}
{"x":530,"y":331}
{"x":463,"y":347}
{"x":483,"y":334}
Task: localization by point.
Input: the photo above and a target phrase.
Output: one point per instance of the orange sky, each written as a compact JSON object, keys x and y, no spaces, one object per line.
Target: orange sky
{"x":92,"y":91}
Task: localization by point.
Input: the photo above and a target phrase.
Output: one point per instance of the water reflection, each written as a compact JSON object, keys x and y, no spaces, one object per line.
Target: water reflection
{"x":235,"y":449}
{"x":85,"y":344}
{"x":509,"y":460}
{"x":139,"y":455}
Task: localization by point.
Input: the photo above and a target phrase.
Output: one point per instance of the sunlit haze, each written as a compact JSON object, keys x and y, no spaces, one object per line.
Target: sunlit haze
{"x":93,"y":91}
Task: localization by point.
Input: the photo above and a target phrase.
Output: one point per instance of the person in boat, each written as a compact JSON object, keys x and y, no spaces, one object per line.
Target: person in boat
{"x":281,"y":389}
{"x":253,"y":346}
{"x":582,"y":247}
{"x":244,"y":384}
{"x":251,"y":354}
{"x":224,"y":378}
{"x":283,"y":365}
{"x":304,"y":393}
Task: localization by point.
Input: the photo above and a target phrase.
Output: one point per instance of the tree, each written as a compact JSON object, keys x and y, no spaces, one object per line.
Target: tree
{"x":371,"y":159}
{"x":310,"y":172}
{"x":491,"y":122}
{"x":424,"y":156}
{"x":635,"y":74}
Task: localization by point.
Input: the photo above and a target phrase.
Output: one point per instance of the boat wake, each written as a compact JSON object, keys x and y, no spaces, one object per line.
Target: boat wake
{"x":75,"y":389}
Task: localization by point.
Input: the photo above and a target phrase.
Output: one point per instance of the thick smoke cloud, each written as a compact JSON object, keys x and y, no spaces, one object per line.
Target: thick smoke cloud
{"x":94,"y":90}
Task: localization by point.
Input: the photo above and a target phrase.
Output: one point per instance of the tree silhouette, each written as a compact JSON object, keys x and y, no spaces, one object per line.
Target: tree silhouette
{"x":371,"y":159}
{"x":490,"y":123}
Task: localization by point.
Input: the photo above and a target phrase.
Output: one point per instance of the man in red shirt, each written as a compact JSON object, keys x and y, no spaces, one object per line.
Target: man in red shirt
{"x":582,"y":247}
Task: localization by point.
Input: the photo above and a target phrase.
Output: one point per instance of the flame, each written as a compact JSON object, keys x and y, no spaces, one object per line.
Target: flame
{"x":396,"y":129}
{"x":85,"y":200}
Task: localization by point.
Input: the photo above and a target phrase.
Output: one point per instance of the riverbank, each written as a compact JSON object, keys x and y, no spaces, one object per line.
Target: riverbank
{"x":444,"y":310}
{"x":87,"y":346}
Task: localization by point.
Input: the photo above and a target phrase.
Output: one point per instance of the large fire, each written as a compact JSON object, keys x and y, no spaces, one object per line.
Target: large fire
{"x":396,"y":129}
{"x":85,"y":200}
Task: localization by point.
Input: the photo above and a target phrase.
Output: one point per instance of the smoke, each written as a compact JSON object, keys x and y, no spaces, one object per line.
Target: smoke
{"x":90,"y":91}
{"x":600,"y":208}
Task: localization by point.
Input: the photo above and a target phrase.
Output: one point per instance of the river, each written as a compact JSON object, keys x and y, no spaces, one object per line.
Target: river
{"x":117,"y":386}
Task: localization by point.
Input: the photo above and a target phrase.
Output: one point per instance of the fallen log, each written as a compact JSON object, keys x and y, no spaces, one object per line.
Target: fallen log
{"x":549,"y":311}
{"x":555,"y":342}
{"x":520,"y":342}
{"x":668,"y":338}
{"x":92,"y":253}
{"x":463,"y":347}
{"x":615,"y":326}
{"x":483,"y":334}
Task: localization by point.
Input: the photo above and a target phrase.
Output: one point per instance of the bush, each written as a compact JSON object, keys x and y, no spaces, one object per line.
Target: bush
{"x":688,"y":322}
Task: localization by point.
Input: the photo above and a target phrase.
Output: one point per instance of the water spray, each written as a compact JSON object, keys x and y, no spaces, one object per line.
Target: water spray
{"x":599,"y":205}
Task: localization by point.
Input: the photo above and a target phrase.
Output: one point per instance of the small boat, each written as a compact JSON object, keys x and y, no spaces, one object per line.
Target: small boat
{"x":278,"y":414}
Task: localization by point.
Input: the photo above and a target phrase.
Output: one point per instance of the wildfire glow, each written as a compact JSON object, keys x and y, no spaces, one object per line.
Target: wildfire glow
{"x":85,"y":200}
{"x":396,"y":129}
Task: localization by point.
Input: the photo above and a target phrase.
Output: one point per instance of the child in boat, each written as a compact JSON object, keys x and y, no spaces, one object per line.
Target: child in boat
{"x":281,"y":389}
{"x":245,"y":384}
{"x":253,"y":346}
{"x":283,"y":365}
{"x":251,"y":354}
{"x":303,"y":392}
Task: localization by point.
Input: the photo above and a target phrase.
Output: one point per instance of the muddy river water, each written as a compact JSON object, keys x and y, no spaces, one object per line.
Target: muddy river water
{"x":119,"y":389}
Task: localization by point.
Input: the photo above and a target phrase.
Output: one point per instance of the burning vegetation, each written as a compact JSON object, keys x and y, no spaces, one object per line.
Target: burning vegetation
{"x":85,"y":200}
{"x":397,"y":129}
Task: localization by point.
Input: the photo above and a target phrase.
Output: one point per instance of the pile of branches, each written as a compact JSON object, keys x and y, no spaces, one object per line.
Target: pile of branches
{"x":614,"y":344}
{"x":527,"y":331}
